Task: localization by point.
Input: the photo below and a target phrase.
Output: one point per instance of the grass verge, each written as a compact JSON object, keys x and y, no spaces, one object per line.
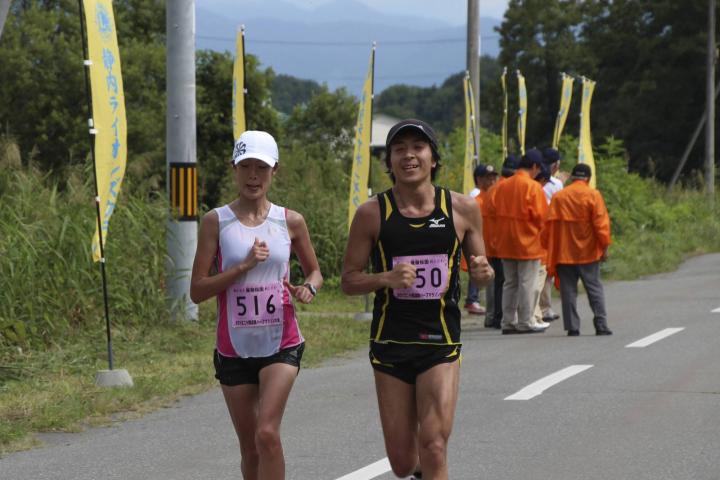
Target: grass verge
{"x":54,"y":390}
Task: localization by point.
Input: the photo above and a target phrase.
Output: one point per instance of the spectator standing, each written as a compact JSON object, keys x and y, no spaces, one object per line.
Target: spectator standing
{"x":577,"y":238}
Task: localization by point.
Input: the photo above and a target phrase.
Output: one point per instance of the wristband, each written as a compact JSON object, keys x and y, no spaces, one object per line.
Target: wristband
{"x":311,"y":287}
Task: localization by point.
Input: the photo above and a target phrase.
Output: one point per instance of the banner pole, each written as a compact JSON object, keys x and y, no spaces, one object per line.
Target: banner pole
{"x":87,"y":63}
{"x":368,"y":313}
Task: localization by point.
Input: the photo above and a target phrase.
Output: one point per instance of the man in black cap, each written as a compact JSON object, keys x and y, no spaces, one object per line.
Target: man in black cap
{"x":472,"y":300}
{"x":577,"y":236}
{"x":519,"y":209}
{"x":414,"y":234}
{"x":485,"y":177}
{"x":493,"y":318}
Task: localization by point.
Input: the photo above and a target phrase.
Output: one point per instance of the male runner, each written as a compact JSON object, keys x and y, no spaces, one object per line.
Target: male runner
{"x":414,"y":233}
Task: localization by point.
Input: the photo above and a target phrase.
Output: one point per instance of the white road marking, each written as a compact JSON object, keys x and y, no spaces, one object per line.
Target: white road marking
{"x":371,"y":471}
{"x":717,"y":310}
{"x":655,"y":337}
{"x":536,"y":388}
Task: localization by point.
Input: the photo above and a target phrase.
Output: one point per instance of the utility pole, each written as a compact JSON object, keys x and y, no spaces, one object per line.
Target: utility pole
{"x":4,"y":7}
{"x":691,"y":143}
{"x":710,"y":108}
{"x":473,"y":61}
{"x":181,"y":156}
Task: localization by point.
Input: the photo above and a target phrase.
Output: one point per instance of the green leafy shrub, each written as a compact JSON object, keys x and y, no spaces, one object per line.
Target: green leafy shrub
{"x":49,"y":287}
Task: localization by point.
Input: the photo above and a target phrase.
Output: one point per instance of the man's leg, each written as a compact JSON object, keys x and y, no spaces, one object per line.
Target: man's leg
{"x":537,"y":311}
{"x":398,"y":417}
{"x":472,"y":304}
{"x":590,"y":275}
{"x":472,"y":293}
{"x":489,"y":304}
{"x":499,"y":284}
{"x":436,"y":392}
{"x":546,"y":300}
{"x":527,"y":291}
{"x":568,"y":295}
{"x":510,"y":294}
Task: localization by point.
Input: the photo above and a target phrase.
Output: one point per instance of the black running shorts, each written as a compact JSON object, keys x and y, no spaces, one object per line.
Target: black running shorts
{"x":233,"y":371}
{"x":406,"y":362}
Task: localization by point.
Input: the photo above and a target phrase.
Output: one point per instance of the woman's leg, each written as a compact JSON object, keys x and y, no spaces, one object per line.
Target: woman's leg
{"x":242,"y":403}
{"x":276,"y":381}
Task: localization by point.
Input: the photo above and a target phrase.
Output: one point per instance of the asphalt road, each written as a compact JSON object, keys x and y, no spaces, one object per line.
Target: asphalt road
{"x":631,"y":413}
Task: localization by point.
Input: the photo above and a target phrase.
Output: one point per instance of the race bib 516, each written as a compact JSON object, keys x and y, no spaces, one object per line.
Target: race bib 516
{"x":432,"y":277}
{"x":256,"y":305}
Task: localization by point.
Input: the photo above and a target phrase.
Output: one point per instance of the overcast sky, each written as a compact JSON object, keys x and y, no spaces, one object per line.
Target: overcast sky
{"x":451,"y":11}
{"x":297,"y":47}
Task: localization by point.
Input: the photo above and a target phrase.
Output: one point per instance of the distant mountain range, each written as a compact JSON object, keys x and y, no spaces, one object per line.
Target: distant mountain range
{"x":331,"y":44}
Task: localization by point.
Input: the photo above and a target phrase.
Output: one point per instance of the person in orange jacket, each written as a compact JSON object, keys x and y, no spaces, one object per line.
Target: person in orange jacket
{"x":484,"y":176}
{"x":493,"y":317}
{"x":520,"y":208}
{"x":577,"y":237}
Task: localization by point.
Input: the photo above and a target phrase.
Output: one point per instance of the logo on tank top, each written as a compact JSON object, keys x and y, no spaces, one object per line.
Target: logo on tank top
{"x":435,"y":222}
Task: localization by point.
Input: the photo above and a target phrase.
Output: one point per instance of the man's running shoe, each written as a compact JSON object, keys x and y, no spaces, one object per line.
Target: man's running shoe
{"x":475,"y":308}
{"x":416,"y":476}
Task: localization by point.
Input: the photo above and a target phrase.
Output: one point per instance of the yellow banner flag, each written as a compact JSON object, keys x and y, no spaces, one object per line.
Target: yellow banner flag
{"x":585,"y":153}
{"x":565,"y":98}
{"x":361,"y":150}
{"x":108,"y":111}
{"x":238,"y":91}
{"x":471,"y":155}
{"x":522,"y":111}
{"x":503,"y":82}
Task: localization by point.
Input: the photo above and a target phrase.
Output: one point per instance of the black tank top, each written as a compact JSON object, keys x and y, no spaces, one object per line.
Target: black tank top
{"x":428,"y":312}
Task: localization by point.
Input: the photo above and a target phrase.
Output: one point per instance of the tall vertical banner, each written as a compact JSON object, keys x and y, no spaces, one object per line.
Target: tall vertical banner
{"x":565,"y":99}
{"x":108,"y":111}
{"x":471,"y":154}
{"x":522,"y":111}
{"x":361,"y":147}
{"x":585,"y":153}
{"x":238,"y":90}
{"x":503,"y":82}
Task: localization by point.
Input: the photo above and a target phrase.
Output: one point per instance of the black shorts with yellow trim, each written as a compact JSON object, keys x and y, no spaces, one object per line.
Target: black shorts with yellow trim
{"x":406,"y":361}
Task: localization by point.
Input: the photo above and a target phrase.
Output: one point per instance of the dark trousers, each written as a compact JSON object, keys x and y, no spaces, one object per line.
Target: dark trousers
{"x":589,"y":273}
{"x":496,"y":316}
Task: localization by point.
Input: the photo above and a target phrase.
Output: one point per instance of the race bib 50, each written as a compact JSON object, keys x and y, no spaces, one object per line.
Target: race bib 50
{"x":432,"y":277}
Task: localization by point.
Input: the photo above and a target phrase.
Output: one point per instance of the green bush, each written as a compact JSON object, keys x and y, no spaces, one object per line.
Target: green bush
{"x":50,"y":289}
{"x":652,"y":230}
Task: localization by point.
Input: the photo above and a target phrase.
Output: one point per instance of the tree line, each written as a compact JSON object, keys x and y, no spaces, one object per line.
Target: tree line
{"x":646,"y":56}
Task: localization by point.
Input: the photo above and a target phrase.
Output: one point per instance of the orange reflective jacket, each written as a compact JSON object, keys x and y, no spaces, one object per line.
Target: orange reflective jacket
{"x":488,"y":213}
{"x":480,"y":199}
{"x":519,"y":208}
{"x":578,"y":226}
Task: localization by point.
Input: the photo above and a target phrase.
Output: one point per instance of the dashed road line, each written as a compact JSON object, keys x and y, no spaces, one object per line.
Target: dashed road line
{"x":655,"y":337}
{"x":537,"y":388}
{"x":371,"y":471}
{"x":717,"y":310}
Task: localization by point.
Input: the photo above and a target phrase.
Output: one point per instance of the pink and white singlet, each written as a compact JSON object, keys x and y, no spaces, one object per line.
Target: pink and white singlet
{"x":256,"y":317}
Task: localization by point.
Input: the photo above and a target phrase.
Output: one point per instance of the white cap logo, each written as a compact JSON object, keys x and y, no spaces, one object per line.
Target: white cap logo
{"x":257,"y":145}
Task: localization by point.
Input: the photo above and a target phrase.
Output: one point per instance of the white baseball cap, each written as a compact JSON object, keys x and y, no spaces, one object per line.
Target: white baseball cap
{"x":256,"y":144}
